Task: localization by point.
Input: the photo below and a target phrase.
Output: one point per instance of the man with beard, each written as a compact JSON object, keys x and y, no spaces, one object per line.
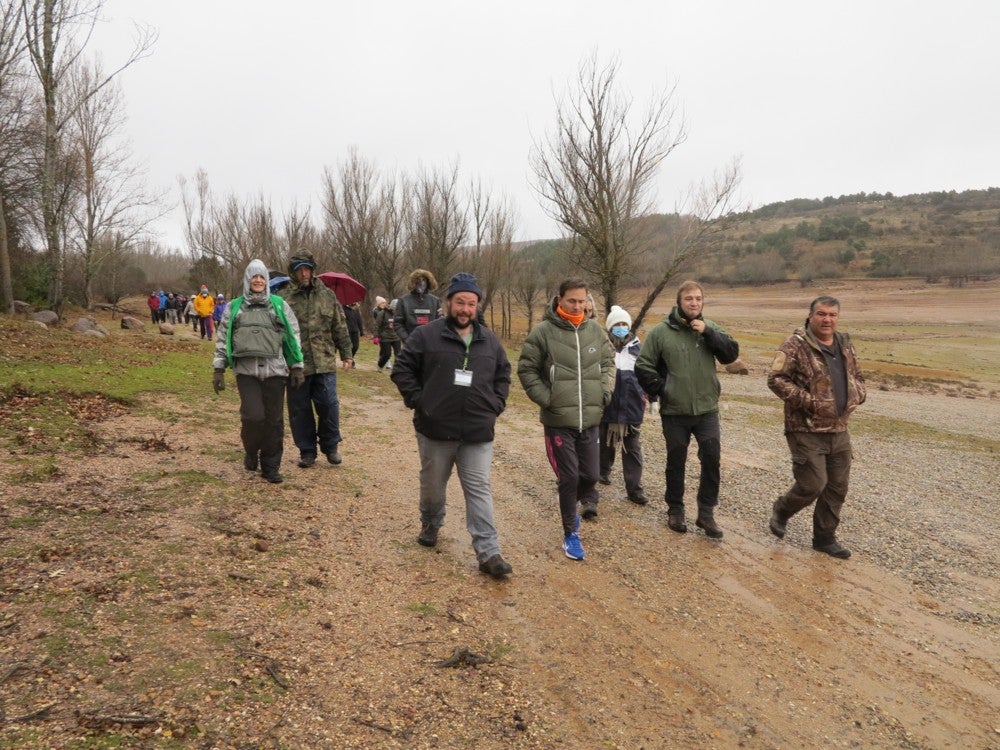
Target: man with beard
{"x":677,"y":365}
{"x":454,"y":374}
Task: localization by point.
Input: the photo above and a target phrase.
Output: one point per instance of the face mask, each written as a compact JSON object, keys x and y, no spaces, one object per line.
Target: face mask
{"x":421,"y":287}
{"x":619,"y":331}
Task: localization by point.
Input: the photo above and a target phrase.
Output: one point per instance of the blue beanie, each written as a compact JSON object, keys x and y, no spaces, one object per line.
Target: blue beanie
{"x":464,"y":282}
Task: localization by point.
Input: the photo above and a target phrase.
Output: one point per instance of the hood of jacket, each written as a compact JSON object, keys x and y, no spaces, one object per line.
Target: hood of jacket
{"x":254,"y":268}
{"x":421,"y":273}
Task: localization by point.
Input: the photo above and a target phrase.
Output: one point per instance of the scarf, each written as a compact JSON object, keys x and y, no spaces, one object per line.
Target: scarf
{"x":576,"y":320}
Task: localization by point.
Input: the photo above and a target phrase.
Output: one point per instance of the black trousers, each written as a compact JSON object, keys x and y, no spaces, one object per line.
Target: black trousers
{"x":677,"y":430}
{"x":262,"y":404}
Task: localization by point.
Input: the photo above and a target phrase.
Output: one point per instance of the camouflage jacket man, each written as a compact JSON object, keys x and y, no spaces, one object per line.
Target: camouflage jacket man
{"x":800,"y":377}
{"x":322,"y":325}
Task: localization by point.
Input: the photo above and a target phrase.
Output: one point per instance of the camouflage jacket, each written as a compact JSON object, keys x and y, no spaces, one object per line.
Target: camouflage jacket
{"x":800,"y":377}
{"x":322,"y":326}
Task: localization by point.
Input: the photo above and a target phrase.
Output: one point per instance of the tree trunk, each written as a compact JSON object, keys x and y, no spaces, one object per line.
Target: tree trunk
{"x":8,"y":285}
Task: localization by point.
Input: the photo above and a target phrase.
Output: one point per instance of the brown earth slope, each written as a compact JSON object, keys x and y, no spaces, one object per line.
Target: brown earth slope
{"x":154,"y":594}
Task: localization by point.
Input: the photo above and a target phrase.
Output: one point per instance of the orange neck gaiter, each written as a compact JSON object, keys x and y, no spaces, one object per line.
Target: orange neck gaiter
{"x":574,"y":319}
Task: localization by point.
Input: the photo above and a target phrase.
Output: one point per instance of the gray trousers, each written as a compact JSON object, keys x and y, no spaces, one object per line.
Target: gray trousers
{"x":821,"y":465}
{"x":474,"y":462}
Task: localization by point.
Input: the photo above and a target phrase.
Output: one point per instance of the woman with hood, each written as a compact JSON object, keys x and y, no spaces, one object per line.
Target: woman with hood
{"x":258,"y":337}
{"x":419,"y":307}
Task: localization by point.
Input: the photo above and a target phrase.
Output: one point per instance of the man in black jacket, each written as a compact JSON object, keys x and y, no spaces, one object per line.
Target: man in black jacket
{"x":455,"y":375}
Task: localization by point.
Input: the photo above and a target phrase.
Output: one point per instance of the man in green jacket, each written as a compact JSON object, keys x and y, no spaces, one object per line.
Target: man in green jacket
{"x":567,"y":368}
{"x":323,"y":330}
{"x":677,"y":366}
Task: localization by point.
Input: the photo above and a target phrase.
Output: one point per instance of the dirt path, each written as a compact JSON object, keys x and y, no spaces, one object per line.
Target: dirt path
{"x":305,"y":615}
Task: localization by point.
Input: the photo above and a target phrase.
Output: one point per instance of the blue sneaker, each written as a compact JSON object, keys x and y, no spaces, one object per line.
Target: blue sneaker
{"x":572,"y":547}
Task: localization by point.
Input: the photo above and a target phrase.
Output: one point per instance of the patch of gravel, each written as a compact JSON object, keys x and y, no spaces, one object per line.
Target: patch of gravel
{"x":925,"y":509}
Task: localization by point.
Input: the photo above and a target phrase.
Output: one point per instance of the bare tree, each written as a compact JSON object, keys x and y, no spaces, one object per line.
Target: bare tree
{"x":439,"y":224}
{"x":113,"y":198}
{"x":352,"y":204}
{"x":391,"y":239}
{"x":14,"y":140}
{"x":595,"y":173}
{"x":56,"y":33}
{"x":709,"y":210}
{"x":198,"y":225}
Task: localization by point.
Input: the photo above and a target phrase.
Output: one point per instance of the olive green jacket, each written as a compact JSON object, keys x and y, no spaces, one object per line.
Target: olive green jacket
{"x":569,"y":371}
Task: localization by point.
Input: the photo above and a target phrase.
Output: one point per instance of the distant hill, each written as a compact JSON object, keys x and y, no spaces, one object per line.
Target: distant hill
{"x":936,"y":235}
{"x":953,"y":235}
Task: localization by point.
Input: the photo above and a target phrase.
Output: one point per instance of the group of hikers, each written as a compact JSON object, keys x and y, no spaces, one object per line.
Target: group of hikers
{"x":592,"y":383}
{"x":201,"y":310}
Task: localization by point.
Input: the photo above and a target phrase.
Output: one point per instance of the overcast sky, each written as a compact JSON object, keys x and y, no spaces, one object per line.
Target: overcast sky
{"x":816,"y":98}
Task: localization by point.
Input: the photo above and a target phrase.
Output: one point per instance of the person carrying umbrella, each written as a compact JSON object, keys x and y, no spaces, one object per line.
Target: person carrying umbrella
{"x":323,"y":330}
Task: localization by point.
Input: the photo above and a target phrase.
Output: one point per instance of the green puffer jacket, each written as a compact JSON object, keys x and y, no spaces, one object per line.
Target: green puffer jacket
{"x":568,"y":371}
{"x":677,"y":365}
{"x":322,"y":326}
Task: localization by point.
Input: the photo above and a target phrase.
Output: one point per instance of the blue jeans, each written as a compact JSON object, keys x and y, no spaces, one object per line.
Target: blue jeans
{"x":677,"y":431}
{"x":474,"y":462}
{"x":323,"y":427}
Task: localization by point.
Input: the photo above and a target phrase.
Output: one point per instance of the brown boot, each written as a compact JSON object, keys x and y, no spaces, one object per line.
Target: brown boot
{"x":706,"y":521}
{"x":676,"y":522}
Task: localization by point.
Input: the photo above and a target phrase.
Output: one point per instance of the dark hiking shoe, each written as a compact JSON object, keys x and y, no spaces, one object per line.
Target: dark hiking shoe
{"x":589,"y":511}
{"x":334,"y":457}
{"x":639,"y":498}
{"x":273,"y":477}
{"x":428,"y":535}
{"x":604,"y":479}
{"x":706,"y":522}
{"x":496,"y":567}
{"x":777,"y":523}
{"x":834,"y":549}
{"x":250,"y":462}
{"x":676,"y":522}
{"x":306,"y":461}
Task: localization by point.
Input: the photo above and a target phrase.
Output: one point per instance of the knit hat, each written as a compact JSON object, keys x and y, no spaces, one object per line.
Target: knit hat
{"x":464,"y":282}
{"x":617,"y":316}
{"x":204,"y":288}
{"x":301,"y":259}
{"x":380,"y":300}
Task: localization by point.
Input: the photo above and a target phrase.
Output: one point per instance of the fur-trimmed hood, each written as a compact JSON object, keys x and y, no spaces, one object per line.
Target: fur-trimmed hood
{"x":419,"y":273}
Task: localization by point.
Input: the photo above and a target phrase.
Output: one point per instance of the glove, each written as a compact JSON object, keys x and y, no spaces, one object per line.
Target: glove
{"x":375,"y":339}
{"x":297,"y":377}
{"x":219,"y":381}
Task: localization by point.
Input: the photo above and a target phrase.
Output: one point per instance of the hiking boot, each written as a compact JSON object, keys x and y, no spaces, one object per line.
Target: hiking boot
{"x":589,"y":511}
{"x":572,"y":547}
{"x":306,"y":461}
{"x":428,"y":535}
{"x":639,"y":498}
{"x":676,"y":522}
{"x":706,"y":522}
{"x":834,"y":549}
{"x":273,"y":477}
{"x":495,"y":566}
{"x":334,"y":457}
{"x":777,"y":523}
{"x":250,"y":462}
{"x":604,"y":479}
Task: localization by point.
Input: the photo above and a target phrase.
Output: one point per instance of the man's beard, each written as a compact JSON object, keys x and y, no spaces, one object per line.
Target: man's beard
{"x":454,"y":322}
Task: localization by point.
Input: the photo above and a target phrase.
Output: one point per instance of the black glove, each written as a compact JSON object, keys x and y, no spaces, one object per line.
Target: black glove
{"x":219,"y":381}
{"x":297,"y":377}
